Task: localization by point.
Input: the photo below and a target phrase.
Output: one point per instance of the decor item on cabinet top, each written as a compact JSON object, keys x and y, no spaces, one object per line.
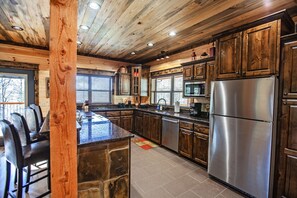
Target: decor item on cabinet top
{"x":122,"y":69}
{"x":193,"y":55}
{"x":212,"y":51}
{"x":204,"y":55}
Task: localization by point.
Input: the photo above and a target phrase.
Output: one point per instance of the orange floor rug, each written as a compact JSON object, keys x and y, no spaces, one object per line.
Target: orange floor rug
{"x":143,"y":143}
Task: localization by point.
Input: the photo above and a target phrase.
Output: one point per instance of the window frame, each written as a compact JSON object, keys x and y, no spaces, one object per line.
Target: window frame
{"x":172,"y":91}
{"x":90,"y":90}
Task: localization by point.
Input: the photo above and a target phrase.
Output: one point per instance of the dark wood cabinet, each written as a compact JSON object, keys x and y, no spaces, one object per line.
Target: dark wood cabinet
{"x":188,"y":72}
{"x":138,"y":127}
{"x":146,"y":125}
{"x":127,"y":122}
{"x":287,"y":163}
{"x":290,"y":70}
{"x":186,"y":142}
{"x":199,"y":71}
{"x":229,"y":56}
{"x":115,"y":120}
{"x":136,"y":80}
{"x":155,"y":128}
{"x":123,"y":83}
{"x":200,"y":148}
{"x":261,"y":50}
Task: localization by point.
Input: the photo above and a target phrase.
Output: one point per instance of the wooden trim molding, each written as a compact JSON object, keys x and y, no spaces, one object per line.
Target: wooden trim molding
{"x":95,"y":72}
{"x":63,"y":134}
{"x":167,"y":72}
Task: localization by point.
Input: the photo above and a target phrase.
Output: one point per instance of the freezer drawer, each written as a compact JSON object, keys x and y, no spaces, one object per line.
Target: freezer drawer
{"x":240,"y":153}
{"x":170,"y":132}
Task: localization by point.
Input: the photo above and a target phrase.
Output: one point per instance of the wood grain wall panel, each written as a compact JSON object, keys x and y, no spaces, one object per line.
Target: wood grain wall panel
{"x":63,"y":135}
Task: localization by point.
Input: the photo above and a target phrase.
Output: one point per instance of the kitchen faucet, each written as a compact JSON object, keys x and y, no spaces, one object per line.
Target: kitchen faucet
{"x":161,"y":105}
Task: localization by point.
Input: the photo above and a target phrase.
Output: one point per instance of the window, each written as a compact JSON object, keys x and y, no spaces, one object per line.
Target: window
{"x":170,"y":88}
{"x":95,"y":89}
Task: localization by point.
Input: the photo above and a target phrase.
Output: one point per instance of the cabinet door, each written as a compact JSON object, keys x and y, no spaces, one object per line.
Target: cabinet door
{"x":209,"y":77}
{"x":146,"y":125}
{"x":288,"y":150}
{"x":229,"y":56}
{"x":124,"y":84}
{"x":115,"y":120}
{"x":260,"y":50}
{"x":155,"y":128}
{"x":127,"y":122}
{"x":188,"y":72}
{"x":138,"y":124}
{"x":200,"y":148}
{"x":290,"y":70}
{"x":200,"y":71}
{"x":185,"y":142}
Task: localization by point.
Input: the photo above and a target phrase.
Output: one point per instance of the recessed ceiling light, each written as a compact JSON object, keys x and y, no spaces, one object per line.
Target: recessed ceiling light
{"x":78,"y":42}
{"x":94,"y":5}
{"x":133,"y":53}
{"x":150,"y":44}
{"x":17,"y":28}
{"x":84,"y":27}
{"x":172,"y":33}
{"x":158,"y":59}
{"x":162,"y":58}
{"x":166,"y":56}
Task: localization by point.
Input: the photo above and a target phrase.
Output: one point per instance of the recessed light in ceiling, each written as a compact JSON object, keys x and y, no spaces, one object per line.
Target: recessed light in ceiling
{"x":166,"y":56}
{"x":133,"y":53}
{"x":158,"y":59}
{"x":15,"y":27}
{"x":78,"y":42}
{"x":94,"y":5}
{"x":172,"y":33}
{"x":150,"y":44}
{"x":84,"y":27}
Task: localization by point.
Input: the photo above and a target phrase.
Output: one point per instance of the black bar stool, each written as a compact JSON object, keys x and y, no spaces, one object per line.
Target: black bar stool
{"x":38,"y":113}
{"x":22,"y":156}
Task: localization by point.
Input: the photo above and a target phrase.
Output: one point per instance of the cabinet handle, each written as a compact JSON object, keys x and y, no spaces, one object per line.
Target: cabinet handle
{"x":285,"y":93}
{"x":284,"y":102}
{"x":237,"y":72}
{"x":243,"y":73}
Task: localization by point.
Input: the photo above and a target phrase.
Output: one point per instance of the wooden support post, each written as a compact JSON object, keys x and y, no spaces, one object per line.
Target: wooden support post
{"x":63,"y":142}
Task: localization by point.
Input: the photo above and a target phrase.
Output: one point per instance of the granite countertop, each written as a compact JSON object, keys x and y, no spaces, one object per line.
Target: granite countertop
{"x":97,"y":129}
{"x":181,"y":115}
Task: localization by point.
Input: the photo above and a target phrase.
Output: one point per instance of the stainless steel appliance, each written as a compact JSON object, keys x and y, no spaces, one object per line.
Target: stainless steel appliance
{"x":194,"y":89}
{"x":170,"y":131}
{"x":195,"y":109}
{"x":242,"y":134}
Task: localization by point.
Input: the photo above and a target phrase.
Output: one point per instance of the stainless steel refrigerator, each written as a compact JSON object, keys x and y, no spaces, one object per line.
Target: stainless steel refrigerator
{"x":242,"y":133}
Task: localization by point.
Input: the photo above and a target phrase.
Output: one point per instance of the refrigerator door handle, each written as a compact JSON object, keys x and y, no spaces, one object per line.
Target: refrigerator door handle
{"x":212,"y":101}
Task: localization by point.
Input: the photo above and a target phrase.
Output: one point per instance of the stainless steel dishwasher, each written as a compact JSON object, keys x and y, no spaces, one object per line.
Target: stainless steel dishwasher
{"x":170,"y":131}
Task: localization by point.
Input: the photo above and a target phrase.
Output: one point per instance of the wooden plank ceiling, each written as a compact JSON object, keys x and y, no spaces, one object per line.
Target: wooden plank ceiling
{"x":122,"y":26}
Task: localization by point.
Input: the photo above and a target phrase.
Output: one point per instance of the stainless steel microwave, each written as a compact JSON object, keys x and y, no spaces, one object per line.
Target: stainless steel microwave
{"x":194,"y":89}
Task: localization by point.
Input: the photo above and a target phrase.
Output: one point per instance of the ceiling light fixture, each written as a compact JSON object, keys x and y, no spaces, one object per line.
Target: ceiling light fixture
{"x":84,"y":27}
{"x":94,"y":5}
{"x":172,"y":33}
{"x":133,"y":53}
{"x":78,"y":42}
{"x":15,"y":27}
{"x":150,"y":44}
{"x":158,"y":59}
{"x":166,"y":56}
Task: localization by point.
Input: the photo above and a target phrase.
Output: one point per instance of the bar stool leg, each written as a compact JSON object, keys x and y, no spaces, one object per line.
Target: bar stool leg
{"x":8,"y":171}
{"x":20,"y":183}
{"x":49,"y":175}
{"x":15,"y":176}
{"x":28,"y":178}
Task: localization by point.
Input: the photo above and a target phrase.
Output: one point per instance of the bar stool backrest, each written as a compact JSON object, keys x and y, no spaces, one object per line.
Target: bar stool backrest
{"x":32,"y":119}
{"x":38,"y":112}
{"x":21,"y":127}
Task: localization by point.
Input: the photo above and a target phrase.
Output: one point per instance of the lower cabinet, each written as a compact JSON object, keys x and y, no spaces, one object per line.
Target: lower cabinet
{"x":115,"y":120}
{"x":127,"y":122}
{"x":155,"y":128}
{"x":186,"y":142}
{"x":138,"y":128}
{"x":146,"y":125}
{"x":200,"y":148}
{"x":193,"y":141}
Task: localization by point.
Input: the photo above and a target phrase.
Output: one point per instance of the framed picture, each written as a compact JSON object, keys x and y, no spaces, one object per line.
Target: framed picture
{"x":47,"y":87}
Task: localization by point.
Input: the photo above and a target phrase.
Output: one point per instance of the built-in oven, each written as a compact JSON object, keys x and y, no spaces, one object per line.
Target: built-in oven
{"x":194,"y":89}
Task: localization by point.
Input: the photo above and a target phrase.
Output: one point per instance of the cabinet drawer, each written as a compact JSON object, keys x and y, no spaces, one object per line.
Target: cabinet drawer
{"x":186,"y":125}
{"x":103,"y":113}
{"x":139,"y":113}
{"x":123,"y":113}
{"x":113,"y":113}
{"x":201,"y":129}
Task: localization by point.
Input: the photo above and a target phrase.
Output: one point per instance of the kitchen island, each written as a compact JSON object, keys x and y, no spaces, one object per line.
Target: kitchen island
{"x":104,"y":153}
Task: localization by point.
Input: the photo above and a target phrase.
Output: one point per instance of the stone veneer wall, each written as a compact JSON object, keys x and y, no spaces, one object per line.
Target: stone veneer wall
{"x":103,"y":170}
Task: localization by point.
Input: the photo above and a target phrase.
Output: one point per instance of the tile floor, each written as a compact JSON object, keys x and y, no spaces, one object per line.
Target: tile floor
{"x":159,"y":173}
{"x":155,"y":173}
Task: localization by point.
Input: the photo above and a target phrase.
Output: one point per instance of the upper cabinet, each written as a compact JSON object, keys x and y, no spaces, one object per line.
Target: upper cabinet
{"x":254,"y":51}
{"x":196,"y":70}
{"x":229,"y":56}
{"x":123,"y":83}
{"x":188,"y":72}
{"x":136,"y":80}
{"x":199,"y":71}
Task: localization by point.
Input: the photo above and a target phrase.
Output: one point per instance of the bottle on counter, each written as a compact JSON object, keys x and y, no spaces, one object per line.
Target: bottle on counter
{"x":176,"y":107}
